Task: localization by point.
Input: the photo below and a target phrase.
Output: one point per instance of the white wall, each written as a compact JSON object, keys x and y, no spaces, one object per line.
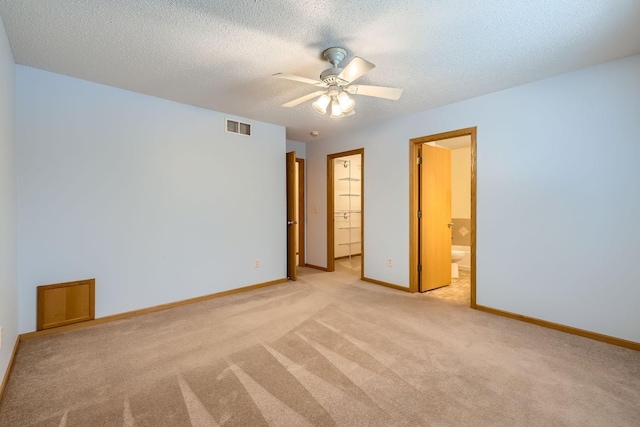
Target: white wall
{"x":299,"y":147}
{"x":558,"y":170}
{"x":151,"y":197}
{"x":8,"y":280}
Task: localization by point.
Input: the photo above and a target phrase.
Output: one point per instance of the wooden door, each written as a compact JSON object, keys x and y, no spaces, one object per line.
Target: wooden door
{"x":291,"y":216}
{"x":435,"y":222}
{"x":300,"y":213}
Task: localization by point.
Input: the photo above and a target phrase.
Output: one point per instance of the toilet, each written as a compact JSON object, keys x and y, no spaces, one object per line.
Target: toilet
{"x":455,"y":257}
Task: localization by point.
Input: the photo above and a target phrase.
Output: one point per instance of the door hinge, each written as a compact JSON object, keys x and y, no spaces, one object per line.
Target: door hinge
{"x":419,"y":267}
{"x":419,"y":214}
{"x":419,"y":160}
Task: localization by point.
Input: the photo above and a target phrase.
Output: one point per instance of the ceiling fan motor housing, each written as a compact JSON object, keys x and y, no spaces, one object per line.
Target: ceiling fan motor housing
{"x":330,"y":75}
{"x":334,"y":55}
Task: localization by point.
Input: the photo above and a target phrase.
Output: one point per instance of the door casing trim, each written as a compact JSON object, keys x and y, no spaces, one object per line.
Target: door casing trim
{"x":414,"y":203}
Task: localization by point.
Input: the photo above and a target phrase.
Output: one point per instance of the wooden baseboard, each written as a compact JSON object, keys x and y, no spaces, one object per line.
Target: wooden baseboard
{"x":142,"y":311}
{"x":316,"y":267}
{"x":388,"y":285}
{"x":5,"y":380}
{"x":563,"y":328}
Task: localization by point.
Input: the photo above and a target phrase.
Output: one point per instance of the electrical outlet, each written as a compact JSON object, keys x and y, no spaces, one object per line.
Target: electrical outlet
{"x":256,"y":263}
{"x":389,"y":262}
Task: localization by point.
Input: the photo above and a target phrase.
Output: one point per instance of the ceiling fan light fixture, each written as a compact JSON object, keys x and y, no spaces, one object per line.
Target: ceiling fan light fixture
{"x":346,"y":103}
{"x":322,"y":103}
{"x":336,"y":111}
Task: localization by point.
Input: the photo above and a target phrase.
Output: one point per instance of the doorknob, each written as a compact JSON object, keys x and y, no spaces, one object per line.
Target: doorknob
{"x":291,"y":222}
{"x":450,"y":224}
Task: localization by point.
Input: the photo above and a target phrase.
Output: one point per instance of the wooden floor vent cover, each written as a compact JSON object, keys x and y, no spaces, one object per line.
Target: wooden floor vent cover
{"x":66,"y":303}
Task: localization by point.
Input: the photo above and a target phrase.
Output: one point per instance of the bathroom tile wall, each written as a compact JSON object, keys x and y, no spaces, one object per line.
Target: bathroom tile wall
{"x":461,"y":232}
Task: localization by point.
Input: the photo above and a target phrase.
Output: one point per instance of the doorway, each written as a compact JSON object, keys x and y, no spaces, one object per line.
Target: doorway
{"x":295,"y":214}
{"x":345,"y":211}
{"x":430,"y":232}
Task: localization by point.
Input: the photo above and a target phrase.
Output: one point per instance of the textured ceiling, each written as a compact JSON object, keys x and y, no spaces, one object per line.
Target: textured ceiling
{"x":220,"y":54}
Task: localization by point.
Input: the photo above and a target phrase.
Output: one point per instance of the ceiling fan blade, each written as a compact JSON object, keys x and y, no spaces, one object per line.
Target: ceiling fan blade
{"x":377,"y":91}
{"x":299,"y":79}
{"x":355,"y":69}
{"x":302,"y":99}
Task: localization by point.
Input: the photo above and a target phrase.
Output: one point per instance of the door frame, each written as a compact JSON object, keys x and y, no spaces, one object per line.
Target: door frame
{"x":290,"y":165}
{"x":414,"y":204}
{"x":301,"y":217}
{"x":331,"y":265}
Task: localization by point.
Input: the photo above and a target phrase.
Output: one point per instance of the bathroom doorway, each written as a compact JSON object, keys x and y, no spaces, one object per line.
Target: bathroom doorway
{"x":443,"y":197}
{"x":345,"y":206}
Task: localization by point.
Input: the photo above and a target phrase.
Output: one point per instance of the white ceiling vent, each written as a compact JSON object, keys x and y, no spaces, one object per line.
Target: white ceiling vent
{"x":240,"y":128}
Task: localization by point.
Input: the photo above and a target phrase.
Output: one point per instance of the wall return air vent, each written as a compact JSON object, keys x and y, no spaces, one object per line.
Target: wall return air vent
{"x":240,"y":128}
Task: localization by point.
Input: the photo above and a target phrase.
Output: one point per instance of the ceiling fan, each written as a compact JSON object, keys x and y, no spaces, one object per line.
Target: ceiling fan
{"x":336,"y":84}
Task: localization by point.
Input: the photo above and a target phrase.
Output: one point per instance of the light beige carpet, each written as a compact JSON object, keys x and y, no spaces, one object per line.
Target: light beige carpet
{"x":326,"y":350}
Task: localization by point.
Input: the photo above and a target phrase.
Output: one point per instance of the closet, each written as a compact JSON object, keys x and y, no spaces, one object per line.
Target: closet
{"x":347,"y":206}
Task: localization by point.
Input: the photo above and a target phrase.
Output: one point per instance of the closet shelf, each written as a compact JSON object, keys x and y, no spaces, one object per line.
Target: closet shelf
{"x":349,"y":194}
{"x":341,"y":211}
{"x":348,"y":179}
{"x":350,"y":243}
{"x":347,"y":228}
